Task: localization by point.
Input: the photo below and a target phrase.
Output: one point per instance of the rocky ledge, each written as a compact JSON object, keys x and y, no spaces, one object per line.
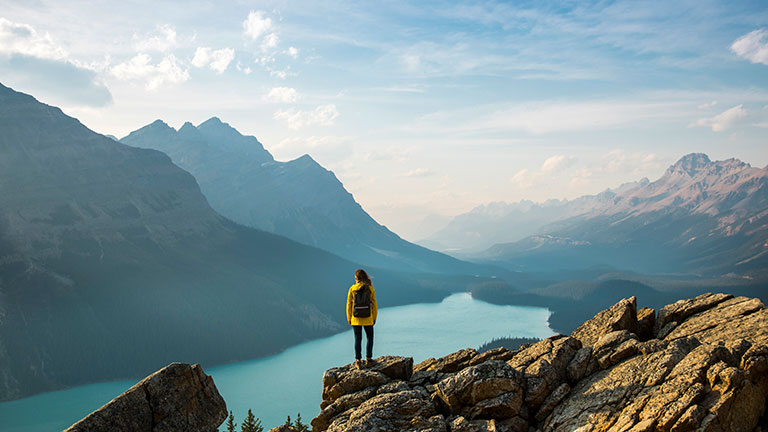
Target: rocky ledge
{"x":698,"y":364}
{"x":179,"y":397}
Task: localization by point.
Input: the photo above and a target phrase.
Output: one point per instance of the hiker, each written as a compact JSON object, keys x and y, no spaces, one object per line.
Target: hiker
{"x":361,"y":314}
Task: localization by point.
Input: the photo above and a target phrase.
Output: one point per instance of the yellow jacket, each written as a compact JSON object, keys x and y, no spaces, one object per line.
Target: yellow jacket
{"x":353,"y":320}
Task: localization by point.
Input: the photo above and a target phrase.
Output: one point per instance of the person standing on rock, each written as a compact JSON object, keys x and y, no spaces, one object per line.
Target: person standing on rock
{"x":361,"y":314}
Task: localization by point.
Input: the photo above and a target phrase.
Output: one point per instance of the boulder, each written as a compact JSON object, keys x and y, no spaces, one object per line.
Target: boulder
{"x":348,"y":379}
{"x":682,"y":309}
{"x":179,"y":397}
{"x":729,"y":319}
{"x":404,"y":411}
{"x":488,"y":390}
{"x":544,"y":365}
{"x":448,"y":364}
{"x":500,"y":353}
{"x":621,"y":316}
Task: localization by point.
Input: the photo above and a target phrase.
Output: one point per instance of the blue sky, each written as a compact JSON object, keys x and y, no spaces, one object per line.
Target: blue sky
{"x":420,"y":108}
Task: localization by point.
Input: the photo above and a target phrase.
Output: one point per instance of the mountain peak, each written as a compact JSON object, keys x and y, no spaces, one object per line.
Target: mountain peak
{"x":690,"y":164}
{"x":215,"y":123}
{"x":158,"y":125}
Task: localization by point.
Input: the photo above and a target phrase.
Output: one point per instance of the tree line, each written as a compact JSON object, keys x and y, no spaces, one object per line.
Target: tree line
{"x":253,"y":423}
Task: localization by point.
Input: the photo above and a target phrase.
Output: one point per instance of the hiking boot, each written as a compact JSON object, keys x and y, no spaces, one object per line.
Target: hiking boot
{"x":359,"y":364}
{"x":369,"y":362}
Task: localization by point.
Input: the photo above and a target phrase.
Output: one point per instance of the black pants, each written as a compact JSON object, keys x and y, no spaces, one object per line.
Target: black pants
{"x":359,"y":340}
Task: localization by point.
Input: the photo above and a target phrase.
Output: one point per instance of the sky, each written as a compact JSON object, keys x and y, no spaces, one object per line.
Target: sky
{"x":424,"y":109}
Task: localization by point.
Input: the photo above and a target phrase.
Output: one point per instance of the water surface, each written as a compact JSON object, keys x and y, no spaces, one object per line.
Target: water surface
{"x":290,"y":382}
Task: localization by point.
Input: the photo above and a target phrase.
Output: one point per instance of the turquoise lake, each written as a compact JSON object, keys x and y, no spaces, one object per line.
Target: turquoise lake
{"x":291,"y":381}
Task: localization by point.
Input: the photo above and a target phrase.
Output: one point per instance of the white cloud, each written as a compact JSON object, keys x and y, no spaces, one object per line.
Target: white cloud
{"x":282,"y":74}
{"x":619,"y":161}
{"x":323,"y":115}
{"x":256,"y":25}
{"x":724,"y":120}
{"x":708,"y":105}
{"x":557,"y":163}
{"x":163,"y":41}
{"x":418,"y":172}
{"x":269,"y":42}
{"x":140,"y":68}
{"x":244,"y":69}
{"x":282,"y":94}
{"x":16,"y":38}
{"x":34,"y":61}
{"x":753,"y":46}
{"x":217,"y":60}
{"x":522,"y":179}
{"x":293,"y":52}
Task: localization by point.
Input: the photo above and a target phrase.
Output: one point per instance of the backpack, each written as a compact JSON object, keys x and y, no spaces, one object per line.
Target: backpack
{"x":361,"y":302}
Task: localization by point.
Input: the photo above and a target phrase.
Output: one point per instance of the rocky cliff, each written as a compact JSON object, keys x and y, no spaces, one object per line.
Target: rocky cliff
{"x":697,"y":364}
{"x":179,"y":397}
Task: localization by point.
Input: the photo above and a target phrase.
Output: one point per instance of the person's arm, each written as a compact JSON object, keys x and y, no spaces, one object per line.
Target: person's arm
{"x":349,"y":307}
{"x":374,"y":306}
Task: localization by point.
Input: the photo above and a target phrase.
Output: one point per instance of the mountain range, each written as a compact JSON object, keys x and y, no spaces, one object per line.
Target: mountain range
{"x":298,"y":199}
{"x":112,"y":263}
{"x":701,"y":216}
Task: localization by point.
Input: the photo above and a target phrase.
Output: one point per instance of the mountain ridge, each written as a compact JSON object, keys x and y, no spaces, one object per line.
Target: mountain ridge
{"x":298,"y":199}
{"x":699,"y":212}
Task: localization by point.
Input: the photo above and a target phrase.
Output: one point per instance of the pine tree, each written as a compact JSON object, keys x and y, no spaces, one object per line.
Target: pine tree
{"x":251,"y":424}
{"x":231,"y":422}
{"x":299,"y":426}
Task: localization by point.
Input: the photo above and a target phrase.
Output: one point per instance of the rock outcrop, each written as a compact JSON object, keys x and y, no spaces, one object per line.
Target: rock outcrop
{"x":699,"y":364}
{"x":179,"y":397}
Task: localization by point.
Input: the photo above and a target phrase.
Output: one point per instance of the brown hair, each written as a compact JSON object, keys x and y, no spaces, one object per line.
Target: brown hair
{"x":362,"y":277}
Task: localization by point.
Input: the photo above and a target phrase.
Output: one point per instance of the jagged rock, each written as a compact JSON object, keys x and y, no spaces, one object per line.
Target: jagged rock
{"x":448,"y":364}
{"x":615,"y":346}
{"x":323,"y":420}
{"x":621,"y":316}
{"x":682,"y":309}
{"x":179,"y":397}
{"x":424,"y":377}
{"x":552,"y":400}
{"x":393,"y":387}
{"x":582,"y":365}
{"x":667,"y":329}
{"x":404,"y":411}
{"x":708,"y":373}
{"x":488,"y":389}
{"x":691,"y":381}
{"x":347,"y":379}
{"x":733,"y":318}
{"x":646,"y":321}
{"x":500,"y":353}
{"x":544,"y":365}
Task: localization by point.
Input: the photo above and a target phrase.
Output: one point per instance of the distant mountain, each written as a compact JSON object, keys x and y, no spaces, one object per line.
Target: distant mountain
{"x":500,"y":222}
{"x":298,"y":199}
{"x":700,"y":216}
{"x":113,"y":264}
